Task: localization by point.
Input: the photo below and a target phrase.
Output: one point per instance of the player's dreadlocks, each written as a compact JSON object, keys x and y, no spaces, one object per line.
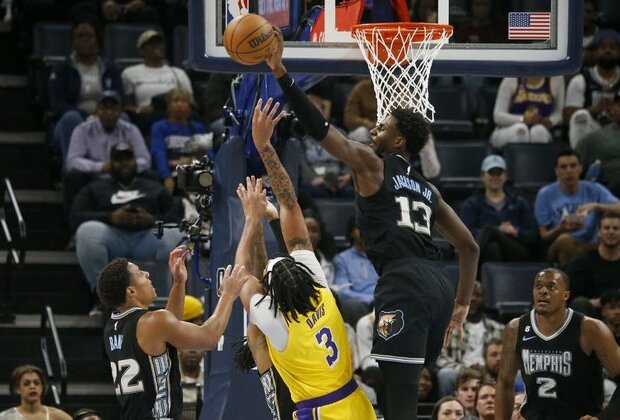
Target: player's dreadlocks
{"x":243,"y":359}
{"x":292,"y":289}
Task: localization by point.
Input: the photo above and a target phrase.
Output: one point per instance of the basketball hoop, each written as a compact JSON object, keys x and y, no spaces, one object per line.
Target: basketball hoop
{"x":399,"y":57}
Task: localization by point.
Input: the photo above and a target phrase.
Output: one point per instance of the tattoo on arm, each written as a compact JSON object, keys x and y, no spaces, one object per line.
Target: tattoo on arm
{"x":257,"y":258}
{"x":278,"y":178}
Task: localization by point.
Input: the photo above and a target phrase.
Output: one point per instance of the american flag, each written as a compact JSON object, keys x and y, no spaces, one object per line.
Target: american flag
{"x":529,"y":25}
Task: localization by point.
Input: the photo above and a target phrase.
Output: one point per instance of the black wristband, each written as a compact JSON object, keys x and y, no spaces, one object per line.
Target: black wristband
{"x":277,"y":233}
{"x":311,"y":119}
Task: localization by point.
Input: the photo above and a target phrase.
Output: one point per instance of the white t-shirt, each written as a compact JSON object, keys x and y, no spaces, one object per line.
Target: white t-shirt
{"x":474,"y":345}
{"x":273,"y":325}
{"x":90,"y":90}
{"x":145,"y":82}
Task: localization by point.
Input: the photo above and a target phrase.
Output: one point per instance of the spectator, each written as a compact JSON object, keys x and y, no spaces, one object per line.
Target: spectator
{"x":428,"y":388}
{"x":485,"y":401}
{"x":492,"y":352}
{"x":86,"y":414}
{"x":482,"y":25}
{"x":477,"y":330}
{"x":499,"y":218}
{"x":76,"y":84}
{"x":114,"y":217}
{"x":129,"y":11}
{"x":610,"y":311}
{"x":590,"y":94}
{"x":192,"y":377}
{"x":448,"y":408}
{"x":590,"y":29}
{"x":526,"y":110}
{"x":322,"y":243}
{"x":516,"y":411}
{"x":146,"y":84}
{"x":354,"y":275}
{"x":28,"y":382}
{"x":564,"y":221}
{"x":177,"y":139}
{"x":596,"y":271}
{"x":467,"y":385}
{"x":360,"y":111}
{"x":91,"y":141}
{"x":322,"y":175}
{"x":368,"y":367}
{"x":603,"y":145}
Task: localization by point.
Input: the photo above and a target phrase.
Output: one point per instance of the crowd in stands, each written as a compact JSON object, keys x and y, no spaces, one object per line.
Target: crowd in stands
{"x":120,"y":132}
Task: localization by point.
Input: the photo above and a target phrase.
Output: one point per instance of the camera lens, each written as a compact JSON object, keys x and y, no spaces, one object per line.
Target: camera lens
{"x":204,"y":178}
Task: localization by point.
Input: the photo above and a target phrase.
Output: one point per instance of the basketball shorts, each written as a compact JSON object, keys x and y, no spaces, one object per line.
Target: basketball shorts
{"x":413,"y":305}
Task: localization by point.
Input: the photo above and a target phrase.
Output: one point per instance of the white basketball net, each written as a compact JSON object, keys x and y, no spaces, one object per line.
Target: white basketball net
{"x":399,"y":67}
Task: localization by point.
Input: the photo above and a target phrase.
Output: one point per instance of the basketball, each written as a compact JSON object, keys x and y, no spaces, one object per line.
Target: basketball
{"x":248,"y":39}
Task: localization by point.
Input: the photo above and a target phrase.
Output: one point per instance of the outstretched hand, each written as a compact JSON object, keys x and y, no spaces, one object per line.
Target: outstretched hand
{"x":176,"y":263}
{"x":274,"y":57}
{"x":233,"y":280}
{"x":264,"y":121}
{"x":253,"y":198}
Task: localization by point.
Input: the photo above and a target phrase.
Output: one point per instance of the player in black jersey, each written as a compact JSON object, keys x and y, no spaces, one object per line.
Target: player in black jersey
{"x":415,"y":305}
{"x":559,"y":352}
{"x":141,"y":345}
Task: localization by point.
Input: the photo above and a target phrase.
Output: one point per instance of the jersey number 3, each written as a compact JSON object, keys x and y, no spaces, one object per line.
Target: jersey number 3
{"x":128,"y":369}
{"x":405,"y":215}
{"x":324,"y":338}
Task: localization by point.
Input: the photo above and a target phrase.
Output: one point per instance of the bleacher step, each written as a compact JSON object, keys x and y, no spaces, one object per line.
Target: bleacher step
{"x":22,"y":137}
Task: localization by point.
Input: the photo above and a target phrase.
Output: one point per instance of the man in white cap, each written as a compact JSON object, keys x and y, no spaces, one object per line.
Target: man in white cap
{"x":500,"y":219}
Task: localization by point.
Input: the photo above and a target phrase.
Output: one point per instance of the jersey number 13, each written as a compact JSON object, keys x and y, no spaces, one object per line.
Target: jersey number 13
{"x":406,"y":207}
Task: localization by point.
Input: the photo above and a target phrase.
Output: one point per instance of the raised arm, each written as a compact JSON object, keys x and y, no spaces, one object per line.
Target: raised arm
{"x":176,"y":264}
{"x":360,"y":157}
{"x":448,"y":224}
{"x":291,"y":218}
{"x":505,"y":394}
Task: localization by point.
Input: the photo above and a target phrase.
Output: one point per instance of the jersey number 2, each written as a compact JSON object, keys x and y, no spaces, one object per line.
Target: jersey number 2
{"x":324,"y":338}
{"x":129,"y":369}
{"x":405,"y":215}
{"x":547,"y":387}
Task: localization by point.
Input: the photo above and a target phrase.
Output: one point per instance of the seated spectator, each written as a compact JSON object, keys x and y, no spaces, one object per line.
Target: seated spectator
{"x":590,"y":94}
{"x":499,"y":218}
{"x":603,"y":146}
{"x":128,"y":11}
{"x":467,"y":385}
{"x":322,"y":175}
{"x":485,"y":401}
{"x":177,"y":140}
{"x":526,"y":109}
{"x":593,"y":273}
{"x":91,"y":141}
{"x":322,"y":243}
{"x":28,"y":383}
{"x":192,"y":377}
{"x":368,"y":367}
{"x":146,"y":84}
{"x":482,"y":25}
{"x":76,"y":84}
{"x":355,"y":277}
{"x":564,"y":222}
{"x":456,"y":356}
{"x":590,"y":29}
{"x":428,"y":389}
{"x":610,"y":311}
{"x":448,"y":408}
{"x":360,"y":111}
{"x":114,"y":217}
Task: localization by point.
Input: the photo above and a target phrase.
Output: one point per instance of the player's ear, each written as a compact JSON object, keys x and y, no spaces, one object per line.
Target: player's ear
{"x":566,"y":295}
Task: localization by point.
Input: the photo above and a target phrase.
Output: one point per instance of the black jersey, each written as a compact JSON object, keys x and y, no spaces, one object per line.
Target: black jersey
{"x":397,"y":221}
{"x":147,"y":387}
{"x":561,"y":381}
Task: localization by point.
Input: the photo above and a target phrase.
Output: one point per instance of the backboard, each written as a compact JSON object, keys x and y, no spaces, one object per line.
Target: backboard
{"x":491,"y":37}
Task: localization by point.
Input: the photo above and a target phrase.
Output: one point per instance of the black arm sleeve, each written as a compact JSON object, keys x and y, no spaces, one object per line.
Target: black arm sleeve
{"x":311,"y":119}
{"x":277,"y":233}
